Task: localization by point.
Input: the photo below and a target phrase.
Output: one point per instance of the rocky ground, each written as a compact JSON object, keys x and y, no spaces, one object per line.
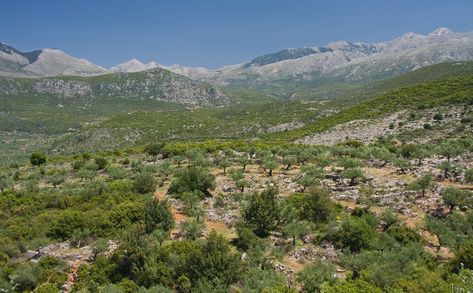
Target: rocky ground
{"x":399,"y":124}
{"x":382,"y":188}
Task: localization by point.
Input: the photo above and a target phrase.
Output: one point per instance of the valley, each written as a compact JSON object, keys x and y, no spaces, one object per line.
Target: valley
{"x":339,"y":168}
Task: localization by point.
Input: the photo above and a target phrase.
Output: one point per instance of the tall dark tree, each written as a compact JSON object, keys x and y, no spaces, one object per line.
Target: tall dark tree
{"x":157,"y":215}
{"x":262,"y":211}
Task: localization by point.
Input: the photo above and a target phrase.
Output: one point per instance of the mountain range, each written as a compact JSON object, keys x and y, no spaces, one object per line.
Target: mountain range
{"x":312,"y":72}
{"x":310,"y":67}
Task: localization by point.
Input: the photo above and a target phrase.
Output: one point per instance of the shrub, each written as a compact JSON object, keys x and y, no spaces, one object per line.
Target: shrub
{"x":77,"y":165}
{"x":154,"y":149}
{"x":262,"y":212}
{"x":463,"y":258}
{"x":259,"y":280}
{"x":192,"y":179}
{"x":317,"y":206}
{"x":38,"y":158}
{"x":117,"y":172}
{"x":101,"y":162}
{"x":144,"y":183}
{"x":158,"y":215}
{"x":423,"y":183}
{"x":403,"y":234}
{"x":239,"y":178}
{"x":215,"y":261}
{"x":353,"y":174}
{"x":26,"y":277}
{"x":454,"y":197}
{"x":355,"y":234}
{"x":269,"y":164}
{"x":192,"y":229}
{"x":65,"y":225}
{"x":469,"y":175}
{"x":352,"y":286}
{"x":246,"y":237}
{"x":46,"y":288}
{"x":313,"y":276}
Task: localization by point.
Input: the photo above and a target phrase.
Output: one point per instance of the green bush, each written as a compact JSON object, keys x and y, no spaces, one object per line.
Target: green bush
{"x":262,"y":211}
{"x":463,"y":258}
{"x":101,"y":162}
{"x":318,"y":273}
{"x":215,"y":261}
{"x":317,"y":206}
{"x":66,"y":224}
{"x":192,"y":179}
{"x":469,"y":175}
{"x":155,"y":149}
{"x":144,"y":183}
{"x":355,"y":234}
{"x":38,"y":158}
{"x":158,"y":215}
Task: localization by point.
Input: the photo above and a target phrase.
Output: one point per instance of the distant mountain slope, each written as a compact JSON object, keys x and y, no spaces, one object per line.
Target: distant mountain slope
{"x":425,"y":74}
{"x":322,"y":71}
{"x":154,"y":84}
{"x":439,"y":92}
{"x":45,"y":62}
{"x":54,"y":104}
{"x":133,"y":65}
{"x":282,"y":121}
{"x":292,"y":53}
{"x":12,"y":61}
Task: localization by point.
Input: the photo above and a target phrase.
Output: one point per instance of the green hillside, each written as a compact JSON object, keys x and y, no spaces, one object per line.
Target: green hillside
{"x":321,"y":87}
{"x":279,"y":121}
{"x":107,"y":122}
{"x":456,"y":90}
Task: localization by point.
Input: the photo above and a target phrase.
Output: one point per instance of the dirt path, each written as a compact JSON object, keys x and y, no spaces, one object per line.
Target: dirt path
{"x":71,"y":276}
{"x":456,"y":185}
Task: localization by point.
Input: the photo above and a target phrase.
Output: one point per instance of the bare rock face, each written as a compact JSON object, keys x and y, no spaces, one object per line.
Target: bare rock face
{"x":155,"y":84}
{"x":61,"y":87}
{"x":160,"y":84}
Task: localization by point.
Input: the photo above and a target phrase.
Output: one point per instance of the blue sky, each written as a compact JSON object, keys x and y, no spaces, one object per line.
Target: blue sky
{"x":213,"y":33}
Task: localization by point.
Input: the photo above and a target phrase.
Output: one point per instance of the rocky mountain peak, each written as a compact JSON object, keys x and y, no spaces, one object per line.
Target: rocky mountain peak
{"x":441,"y":31}
{"x":134,"y":65}
{"x":410,"y":36}
{"x":339,"y":45}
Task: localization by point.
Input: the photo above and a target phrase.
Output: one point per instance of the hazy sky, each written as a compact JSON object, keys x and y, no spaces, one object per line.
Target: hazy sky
{"x":213,"y":33}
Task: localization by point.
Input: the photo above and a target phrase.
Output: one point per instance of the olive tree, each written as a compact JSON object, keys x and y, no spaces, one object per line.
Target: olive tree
{"x":454,"y":197}
{"x":269,"y":164}
{"x":423,"y":183}
{"x":239,"y":178}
